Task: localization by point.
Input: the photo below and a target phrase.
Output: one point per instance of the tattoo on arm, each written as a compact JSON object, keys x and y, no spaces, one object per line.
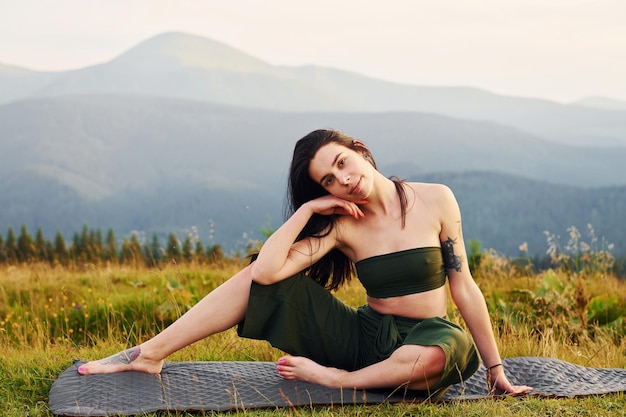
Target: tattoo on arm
{"x":450,"y":260}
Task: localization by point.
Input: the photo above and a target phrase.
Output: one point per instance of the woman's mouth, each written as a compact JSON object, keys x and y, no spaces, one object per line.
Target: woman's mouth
{"x":356,"y":188}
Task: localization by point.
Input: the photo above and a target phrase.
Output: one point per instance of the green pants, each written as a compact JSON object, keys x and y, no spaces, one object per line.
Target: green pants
{"x":301,"y":318}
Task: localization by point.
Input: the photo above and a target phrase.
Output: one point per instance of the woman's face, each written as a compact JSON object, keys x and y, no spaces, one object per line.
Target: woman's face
{"x":342,"y":172}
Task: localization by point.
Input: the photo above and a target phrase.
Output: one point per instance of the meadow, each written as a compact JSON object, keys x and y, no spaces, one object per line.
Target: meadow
{"x":53,"y":314}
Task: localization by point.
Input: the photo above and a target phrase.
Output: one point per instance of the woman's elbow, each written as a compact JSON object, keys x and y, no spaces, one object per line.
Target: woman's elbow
{"x":261,"y":276}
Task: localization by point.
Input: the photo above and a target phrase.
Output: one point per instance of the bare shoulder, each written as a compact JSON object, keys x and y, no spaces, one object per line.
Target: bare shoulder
{"x":433,"y":194}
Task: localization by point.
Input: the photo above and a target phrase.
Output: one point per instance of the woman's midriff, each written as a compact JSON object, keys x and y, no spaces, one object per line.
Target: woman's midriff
{"x":418,"y":306}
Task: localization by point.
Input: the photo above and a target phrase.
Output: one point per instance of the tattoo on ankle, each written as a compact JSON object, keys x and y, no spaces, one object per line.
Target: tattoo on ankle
{"x":125,"y":356}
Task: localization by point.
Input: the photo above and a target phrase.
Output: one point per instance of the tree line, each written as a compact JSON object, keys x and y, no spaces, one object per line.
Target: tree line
{"x":92,"y":246}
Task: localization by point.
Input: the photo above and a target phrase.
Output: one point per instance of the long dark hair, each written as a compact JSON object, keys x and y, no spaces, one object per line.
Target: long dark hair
{"x":334,"y":268}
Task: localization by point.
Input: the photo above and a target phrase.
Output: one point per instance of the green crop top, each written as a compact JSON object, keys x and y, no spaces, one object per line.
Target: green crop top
{"x":401,"y":273}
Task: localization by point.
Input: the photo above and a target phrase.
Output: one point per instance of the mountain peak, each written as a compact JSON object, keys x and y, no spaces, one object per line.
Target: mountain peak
{"x":192,"y":51}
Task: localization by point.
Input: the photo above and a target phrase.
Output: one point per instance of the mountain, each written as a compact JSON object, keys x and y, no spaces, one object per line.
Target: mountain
{"x":187,"y":66}
{"x":160,"y":165}
{"x":182,"y":133}
{"x":602,"y":103}
{"x":17,"y":83}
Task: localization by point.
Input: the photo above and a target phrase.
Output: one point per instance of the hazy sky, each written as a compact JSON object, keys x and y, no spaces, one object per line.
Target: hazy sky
{"x":556,"y":49}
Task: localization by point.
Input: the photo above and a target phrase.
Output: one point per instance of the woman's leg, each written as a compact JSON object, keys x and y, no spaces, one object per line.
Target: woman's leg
{"x":219,"y":310}
{"x":410,"y":366}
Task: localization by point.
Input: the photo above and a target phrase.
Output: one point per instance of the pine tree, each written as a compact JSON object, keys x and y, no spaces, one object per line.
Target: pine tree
{"x":152,"y":252}
{"x":3,"y":254}
{"x":86,"y":240}
{"x":187,"y":250}
{"x":215,"y":253}
{"x":76,"y":250}
{"x":49,"y":252}
{"x":110,"y":250}
{"x":60,"y":249}
{"x":126,"y":254}
{"x":155,"y":248}
{"x":200,"y":255}
{"x":11,"y":247}
{"x":26,"y":250}
{"x":43,"y":252}
{"x":98,"y":246}
{"x":172,"y":251}
{"x":131,"y":251}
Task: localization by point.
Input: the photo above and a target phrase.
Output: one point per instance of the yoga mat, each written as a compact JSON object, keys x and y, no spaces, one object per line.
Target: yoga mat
{"x":222,"y":386}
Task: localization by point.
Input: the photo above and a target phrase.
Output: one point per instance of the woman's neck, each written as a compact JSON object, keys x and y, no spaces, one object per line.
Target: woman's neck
{"x":384,"y":199}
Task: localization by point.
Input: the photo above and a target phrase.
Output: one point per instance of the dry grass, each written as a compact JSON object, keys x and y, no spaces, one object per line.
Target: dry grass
{"x":50,"y":316}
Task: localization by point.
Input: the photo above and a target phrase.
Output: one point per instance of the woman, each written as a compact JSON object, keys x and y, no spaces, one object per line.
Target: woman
{"x":403,"y":240}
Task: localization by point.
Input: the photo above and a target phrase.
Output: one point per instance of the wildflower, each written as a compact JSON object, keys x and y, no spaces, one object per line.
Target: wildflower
{"x":524,"y":247}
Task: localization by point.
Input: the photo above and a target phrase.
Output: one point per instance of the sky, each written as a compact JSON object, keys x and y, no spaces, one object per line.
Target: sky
{"x":561,"y":50}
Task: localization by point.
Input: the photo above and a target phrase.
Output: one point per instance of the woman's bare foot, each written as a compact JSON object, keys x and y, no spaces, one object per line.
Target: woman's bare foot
{"x":297,"y":368}
{"x":127,"y":360}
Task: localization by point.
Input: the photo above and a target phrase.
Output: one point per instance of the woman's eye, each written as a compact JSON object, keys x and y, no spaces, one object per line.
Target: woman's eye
{"x":329,"y":181}
{"x":342,"y":161}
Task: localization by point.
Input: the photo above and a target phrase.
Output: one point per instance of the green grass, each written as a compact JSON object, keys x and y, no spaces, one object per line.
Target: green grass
{"x":51,"y":316}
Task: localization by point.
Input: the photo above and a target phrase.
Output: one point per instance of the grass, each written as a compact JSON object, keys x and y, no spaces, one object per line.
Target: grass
{"x":51,"y":316}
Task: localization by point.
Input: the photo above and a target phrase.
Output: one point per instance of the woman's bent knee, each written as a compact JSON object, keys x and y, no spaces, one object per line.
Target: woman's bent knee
{"x":425,"y":361}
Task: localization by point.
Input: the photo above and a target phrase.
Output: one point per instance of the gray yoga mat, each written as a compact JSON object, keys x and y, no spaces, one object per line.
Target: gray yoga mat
{"x":222,"y":386}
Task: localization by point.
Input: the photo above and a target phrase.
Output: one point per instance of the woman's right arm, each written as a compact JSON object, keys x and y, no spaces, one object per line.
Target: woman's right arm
{"x":281,"y":258}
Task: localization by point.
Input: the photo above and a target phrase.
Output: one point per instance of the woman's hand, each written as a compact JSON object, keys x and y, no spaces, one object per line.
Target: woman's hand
{"x":329,"y":204}
{"x":499,"y":384}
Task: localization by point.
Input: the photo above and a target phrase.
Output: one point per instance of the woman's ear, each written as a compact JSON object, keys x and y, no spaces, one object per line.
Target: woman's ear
{"x":358,"y":145}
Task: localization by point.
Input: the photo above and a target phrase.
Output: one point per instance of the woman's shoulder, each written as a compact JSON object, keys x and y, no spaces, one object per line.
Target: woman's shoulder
{"x":427,"y":190}
{"x":437,"y":197}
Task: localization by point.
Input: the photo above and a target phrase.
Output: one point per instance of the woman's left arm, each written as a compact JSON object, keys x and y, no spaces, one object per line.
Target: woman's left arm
{"x":466,"y":294}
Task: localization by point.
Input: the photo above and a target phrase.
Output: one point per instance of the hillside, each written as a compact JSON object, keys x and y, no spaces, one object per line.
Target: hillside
{"x":186,"y":66}
{"x":503,"y":211}
{"x":602,"y":103}
{"x":160,"y":165}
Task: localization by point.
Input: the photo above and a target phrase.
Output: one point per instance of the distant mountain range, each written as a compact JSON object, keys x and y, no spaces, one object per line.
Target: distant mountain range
{"x":602,"y":103}
{"x":182,"y":131}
